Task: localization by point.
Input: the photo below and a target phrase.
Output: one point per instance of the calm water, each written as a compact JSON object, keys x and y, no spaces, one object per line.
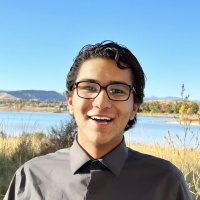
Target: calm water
{"x":147,"y":129}
{"x":16,"y":122}
{"x":151,"y":130}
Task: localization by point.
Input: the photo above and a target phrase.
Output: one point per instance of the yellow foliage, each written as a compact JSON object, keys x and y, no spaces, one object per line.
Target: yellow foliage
{"x":183,"y":108}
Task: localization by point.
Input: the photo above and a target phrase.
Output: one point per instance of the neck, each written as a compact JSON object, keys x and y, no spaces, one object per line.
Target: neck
{"x":96,"y":150}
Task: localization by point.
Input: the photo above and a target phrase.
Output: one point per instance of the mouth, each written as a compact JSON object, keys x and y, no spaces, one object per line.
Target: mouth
{"x":101,"y":119}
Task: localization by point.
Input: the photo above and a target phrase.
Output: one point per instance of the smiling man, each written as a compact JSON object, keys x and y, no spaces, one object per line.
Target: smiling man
{"x":105,"y":87}
{"x":102,"y":105}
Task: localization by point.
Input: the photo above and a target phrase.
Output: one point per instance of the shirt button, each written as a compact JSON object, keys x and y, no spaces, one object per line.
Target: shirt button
{"x":95,"y":164}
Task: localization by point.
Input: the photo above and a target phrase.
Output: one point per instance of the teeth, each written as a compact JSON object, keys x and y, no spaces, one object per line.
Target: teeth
{"x":101,"y":118}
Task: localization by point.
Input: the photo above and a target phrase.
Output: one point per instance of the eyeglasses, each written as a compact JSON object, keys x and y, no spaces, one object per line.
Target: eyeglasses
{"x":115,"y":91}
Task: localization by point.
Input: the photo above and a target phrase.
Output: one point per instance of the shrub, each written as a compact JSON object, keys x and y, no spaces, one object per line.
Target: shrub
{"x":61,"y":136}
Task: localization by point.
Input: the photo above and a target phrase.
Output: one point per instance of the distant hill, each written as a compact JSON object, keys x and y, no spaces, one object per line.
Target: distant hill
{"x":43,"y":95}
{"x":40,"y":95}
{"x":161,"y":98}
{"x":167,"y":99}
{"x":4,"y":95}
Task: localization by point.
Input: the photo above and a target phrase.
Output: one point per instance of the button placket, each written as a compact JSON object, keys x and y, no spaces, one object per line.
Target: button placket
{"x":97,"y":170}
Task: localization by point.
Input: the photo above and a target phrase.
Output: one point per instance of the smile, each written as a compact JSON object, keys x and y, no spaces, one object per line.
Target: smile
{"x":101,"y":119}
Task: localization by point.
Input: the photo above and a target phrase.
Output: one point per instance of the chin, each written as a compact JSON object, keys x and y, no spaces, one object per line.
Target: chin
{"x":105,"y":140}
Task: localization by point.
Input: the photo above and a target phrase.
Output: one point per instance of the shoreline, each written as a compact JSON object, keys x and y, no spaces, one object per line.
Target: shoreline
{"x":193,"y":123}
{"x":159,"y":115}
{"x":178,"y":118}
{"x":39,"y":110}
{"x":194,"y":120}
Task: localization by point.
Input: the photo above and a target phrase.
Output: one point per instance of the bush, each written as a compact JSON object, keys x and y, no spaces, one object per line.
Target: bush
{"x":61,"y":136}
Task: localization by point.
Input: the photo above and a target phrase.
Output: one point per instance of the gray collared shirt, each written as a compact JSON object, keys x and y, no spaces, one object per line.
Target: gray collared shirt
{"x":122,"y":174}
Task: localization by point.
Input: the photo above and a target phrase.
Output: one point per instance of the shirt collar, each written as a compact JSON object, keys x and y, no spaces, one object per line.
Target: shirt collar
{"x":113,"y":160}
{"x":78,"y":157}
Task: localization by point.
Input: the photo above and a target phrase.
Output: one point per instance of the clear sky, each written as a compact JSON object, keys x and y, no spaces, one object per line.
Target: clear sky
{"x":40,"y":38}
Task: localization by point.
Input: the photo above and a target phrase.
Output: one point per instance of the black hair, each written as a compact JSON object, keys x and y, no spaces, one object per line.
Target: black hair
{"x":110,"y":50}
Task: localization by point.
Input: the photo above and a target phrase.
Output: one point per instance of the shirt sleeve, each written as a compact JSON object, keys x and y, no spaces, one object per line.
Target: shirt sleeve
{"x":10,"y":194}
{"x":17,"y":186}
{"x":183,"y":192}
{"x":22,"y":187}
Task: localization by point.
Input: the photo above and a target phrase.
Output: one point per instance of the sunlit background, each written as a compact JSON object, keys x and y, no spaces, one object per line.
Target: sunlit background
{"x":39,"y":40}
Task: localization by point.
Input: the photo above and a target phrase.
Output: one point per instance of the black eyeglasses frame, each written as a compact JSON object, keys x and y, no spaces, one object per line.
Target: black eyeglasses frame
{"x":104,"y":88}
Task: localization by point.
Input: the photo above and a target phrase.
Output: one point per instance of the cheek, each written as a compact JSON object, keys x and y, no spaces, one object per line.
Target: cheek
{"x":81,"y":107}
{"x":128,"y":111}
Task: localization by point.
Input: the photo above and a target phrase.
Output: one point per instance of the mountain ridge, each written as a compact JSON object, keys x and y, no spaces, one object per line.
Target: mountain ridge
{"x":43,"y":95}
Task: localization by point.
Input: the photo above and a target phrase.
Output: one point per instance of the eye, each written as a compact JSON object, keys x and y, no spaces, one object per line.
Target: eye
{"x":116,"y":91}
{"x":89,"y":88}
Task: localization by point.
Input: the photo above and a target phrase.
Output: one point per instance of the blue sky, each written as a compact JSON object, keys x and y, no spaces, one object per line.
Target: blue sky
{"x":39,"y":40}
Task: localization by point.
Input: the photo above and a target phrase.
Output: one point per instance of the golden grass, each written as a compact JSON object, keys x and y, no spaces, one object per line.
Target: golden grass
{"x":14,"y":151}
{"x":29,"y":109}
{"x":31,"y":143}
{"x":8,"y":145}
{"x":188,"y":156}
{"x":190,"y":119}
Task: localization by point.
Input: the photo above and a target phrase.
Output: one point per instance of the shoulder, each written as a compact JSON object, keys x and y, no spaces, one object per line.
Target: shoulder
{"x":40,"y":173}
{"x":50,"y":165}
{"x":154,"y":163}
{"x":158,"y":173}
{"x":60,"y":155}
{"x":51,"y":160}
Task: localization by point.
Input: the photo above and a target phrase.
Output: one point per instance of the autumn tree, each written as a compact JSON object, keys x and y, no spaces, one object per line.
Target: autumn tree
{"x":189,"y":108}
{"x":176,"y":107}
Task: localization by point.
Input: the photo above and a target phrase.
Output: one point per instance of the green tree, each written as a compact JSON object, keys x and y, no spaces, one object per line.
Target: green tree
{"x":176,"y":107}
{"x":145,"y":107}
{"x":193,"y":107}
{"x":198,"y":112}
{"x":155,"y":107}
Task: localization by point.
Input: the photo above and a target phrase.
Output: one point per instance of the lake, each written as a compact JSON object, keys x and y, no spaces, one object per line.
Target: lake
{"x":147,"y":129}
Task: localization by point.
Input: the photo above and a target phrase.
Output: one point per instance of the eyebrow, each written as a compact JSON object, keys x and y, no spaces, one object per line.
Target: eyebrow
{"x":111,"y":82}
{"x":89,"y":80}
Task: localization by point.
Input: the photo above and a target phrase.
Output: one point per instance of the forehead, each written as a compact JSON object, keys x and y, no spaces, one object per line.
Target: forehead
{"x":104,"y":71}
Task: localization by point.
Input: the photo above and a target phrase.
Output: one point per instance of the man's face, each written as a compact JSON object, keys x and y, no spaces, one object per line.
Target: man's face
{"x":92,"y":131}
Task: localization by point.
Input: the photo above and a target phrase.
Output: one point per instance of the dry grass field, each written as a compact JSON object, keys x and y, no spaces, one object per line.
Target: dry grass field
{"x":28,"y":109}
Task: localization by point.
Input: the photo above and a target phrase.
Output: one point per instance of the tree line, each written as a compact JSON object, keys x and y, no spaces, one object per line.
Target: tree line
{"x":185,"y":107}
{"x":179,"y":107}
{"x":21,"y":103}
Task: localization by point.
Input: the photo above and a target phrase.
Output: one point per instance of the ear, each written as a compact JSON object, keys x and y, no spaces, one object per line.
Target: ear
{"x":70,"y":105}
{"x":134,"y":111}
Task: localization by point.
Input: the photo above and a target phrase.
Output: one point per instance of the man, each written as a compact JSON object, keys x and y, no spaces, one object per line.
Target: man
{"x":105,"y":87}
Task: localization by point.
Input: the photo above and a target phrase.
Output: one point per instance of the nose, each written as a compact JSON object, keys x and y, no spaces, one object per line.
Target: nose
{"x":102,"y":101}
